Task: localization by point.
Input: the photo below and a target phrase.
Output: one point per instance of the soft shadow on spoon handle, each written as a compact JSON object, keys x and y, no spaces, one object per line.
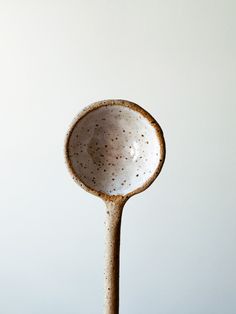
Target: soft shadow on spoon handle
{"x":112,"y":255}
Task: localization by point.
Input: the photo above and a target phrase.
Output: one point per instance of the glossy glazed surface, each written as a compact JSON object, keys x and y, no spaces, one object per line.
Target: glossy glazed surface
{"x":114,"y":149}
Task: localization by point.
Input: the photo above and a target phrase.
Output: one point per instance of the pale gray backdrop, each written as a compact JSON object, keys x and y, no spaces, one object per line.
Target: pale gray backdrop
{"x":175,"y":58}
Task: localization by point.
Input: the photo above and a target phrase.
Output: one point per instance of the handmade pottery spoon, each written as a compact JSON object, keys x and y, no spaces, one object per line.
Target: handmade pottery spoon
{"x":114,"y":149}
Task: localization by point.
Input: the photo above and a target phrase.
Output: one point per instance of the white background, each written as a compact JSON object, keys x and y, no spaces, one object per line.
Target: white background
{"x":177,"y":60}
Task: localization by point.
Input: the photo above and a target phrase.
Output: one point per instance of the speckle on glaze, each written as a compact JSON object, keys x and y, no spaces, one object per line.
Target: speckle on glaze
{"x":114,"y":149}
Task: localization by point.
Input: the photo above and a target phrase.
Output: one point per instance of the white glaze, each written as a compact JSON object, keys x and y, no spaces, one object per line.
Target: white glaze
{"x":114,"y":149}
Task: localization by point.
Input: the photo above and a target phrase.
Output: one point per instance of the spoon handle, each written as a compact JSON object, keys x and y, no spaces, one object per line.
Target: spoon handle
{"x":112,"y":256}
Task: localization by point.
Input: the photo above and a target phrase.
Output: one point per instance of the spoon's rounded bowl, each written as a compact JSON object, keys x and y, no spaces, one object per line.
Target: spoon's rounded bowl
{"x":115,"y":148}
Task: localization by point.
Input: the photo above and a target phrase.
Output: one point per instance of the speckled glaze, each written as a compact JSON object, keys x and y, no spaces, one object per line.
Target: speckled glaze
{"x":114,"y":149}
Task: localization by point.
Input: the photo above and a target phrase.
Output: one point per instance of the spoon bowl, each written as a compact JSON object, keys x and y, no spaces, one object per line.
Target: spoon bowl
{"x":114,"y":149}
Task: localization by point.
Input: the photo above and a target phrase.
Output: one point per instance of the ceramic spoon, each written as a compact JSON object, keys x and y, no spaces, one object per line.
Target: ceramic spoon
{"x":114,"y":149}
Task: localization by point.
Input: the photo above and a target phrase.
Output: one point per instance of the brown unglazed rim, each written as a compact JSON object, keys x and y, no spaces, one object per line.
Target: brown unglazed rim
{"x":144,"y":113}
